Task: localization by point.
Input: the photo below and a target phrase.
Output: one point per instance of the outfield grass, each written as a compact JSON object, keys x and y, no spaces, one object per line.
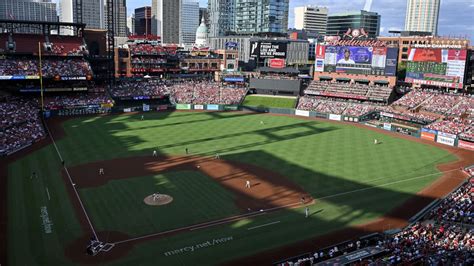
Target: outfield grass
{"x":352,"y":179}
{"x":269,"y":101}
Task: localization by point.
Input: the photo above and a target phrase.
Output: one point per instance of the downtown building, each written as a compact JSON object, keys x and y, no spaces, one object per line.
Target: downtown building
{"x":189,"y":21}
{"x":120,"y":17}
{"x":31,"y":10}
{"x":263,"y":16}
{"x":92,"y":14}
{"x":339,"y":24}
{"x":221,"y":17}
{"x":165,"y":15}
{"x":422,"y":16}
{"x":311,"y":18}
{"x":142,"y":21}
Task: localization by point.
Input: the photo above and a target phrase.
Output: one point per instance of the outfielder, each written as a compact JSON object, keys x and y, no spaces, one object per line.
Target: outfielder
{"x":247,"y":184}
{"x":155,"y":153}
{"x":376,"y":141}
{"x":101,"y":171}
{"x":306,"y":212}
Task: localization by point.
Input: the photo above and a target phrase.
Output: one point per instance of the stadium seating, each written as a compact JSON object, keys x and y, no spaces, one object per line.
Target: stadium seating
{"x":20,"y":124}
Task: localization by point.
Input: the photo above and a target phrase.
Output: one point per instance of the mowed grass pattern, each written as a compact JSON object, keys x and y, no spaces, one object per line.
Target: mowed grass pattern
{"x":269,"y":101}
{"x":352,"y":179}
{"x":119,"y":206}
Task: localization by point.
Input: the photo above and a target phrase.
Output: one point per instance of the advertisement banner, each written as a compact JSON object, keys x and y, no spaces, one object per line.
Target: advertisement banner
{"x":448,"y":135}
{"x":234,"y":79}
{"x":180,"y":106}
{"x":445,"y":140}
{"x":146,"y":108}
{"x":354,"y":55}
{"x":425,"y":55}
{"x":198,"y":107}
{"x":431,"y":131}
{"x":466,"y":145}
{"x":231,"y":107}
{"x":428,"y":136}
{"x":302,"y":113}
{"x":391,"y":63}
{"x":127,"y":110}
{"x":387,"y":126}
{"x":268,"y":49}
{"x":276,"y":63}
{"x":334,"y":117}
{"x":213,"y":107}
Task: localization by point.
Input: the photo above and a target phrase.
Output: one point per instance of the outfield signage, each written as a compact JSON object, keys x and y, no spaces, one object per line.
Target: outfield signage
{"x":213,"y":107}
{"x":181,"y":106}
{"x":302,"y":113}
{"x":231,"y":107}
{"x":198,"y":107}
{"x":334,"y":117}
{"x":466,"y":145}
{"x":445,"y":140}
{"x":387,"y":126}
{"x":428,"y":136}
{"x":447,"y":135}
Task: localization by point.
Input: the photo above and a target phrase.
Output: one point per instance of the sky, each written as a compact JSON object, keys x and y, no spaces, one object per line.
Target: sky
{"x":455,"y":18}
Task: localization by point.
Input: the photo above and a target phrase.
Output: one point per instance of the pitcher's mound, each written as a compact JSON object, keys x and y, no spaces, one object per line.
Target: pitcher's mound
{"x":161,"y":199}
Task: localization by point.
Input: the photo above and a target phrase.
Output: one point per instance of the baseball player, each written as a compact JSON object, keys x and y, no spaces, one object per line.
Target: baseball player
{"x":376,"y":141}
{"x":143,"y":117}
{"x":155,"y":153}
{"x":33,"y":175}
{"x":101,"y":171}
{"x":217,"y":156}
{"x":247,"y":184}
{"x":306,"y":212}
{"x":262,"y":123}
{"x":156,"y":196}
{"x":187,"y":151}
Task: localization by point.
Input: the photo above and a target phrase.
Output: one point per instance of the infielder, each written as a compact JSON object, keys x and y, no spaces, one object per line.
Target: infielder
{"x":155,"y":153}
{"x":101,"y":171}
{"x":306,"y":212}
{"x":217,"y":156}
{"x":156,"y":196}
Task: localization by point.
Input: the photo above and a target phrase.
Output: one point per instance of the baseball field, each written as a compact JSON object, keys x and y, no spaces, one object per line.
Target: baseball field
{"x":202,"y":165}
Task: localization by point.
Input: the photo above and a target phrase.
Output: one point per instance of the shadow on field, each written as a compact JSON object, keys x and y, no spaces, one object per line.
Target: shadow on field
{"x":353,"y":199}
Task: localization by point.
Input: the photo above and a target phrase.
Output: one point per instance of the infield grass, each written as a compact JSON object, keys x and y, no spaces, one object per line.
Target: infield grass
{"x":352,"y":179}
{"x":269,"y":101}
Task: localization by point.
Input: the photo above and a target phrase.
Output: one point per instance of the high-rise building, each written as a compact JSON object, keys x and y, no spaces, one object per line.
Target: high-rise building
{"x":32,"y":10}
{"x":311,"y":18}
{"x":221,"y":17}
{"x":203,"y":14}
{"x":120,"y":18}
{"x":143,"y":21}
{"x":338,"y":24}
{"x":131,"y":25}
{"x":422,"y":15}
{"x":270,"y":16}
{"x":165,"y":20}
{"x":92,"y":13}
{"x":189,"y":21}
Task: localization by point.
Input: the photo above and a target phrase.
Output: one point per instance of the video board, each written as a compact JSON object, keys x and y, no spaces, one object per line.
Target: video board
{"x":268,"y":49}
{"x":357,"y":60}
{"x":437,"y":67}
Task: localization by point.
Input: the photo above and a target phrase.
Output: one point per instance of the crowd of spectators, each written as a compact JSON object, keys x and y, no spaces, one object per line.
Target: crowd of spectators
{"x":132,"y":88}
{"x":444,"y":237}
{"x":204,"y":92}
{"x":338,"y":107}
{"x":457,"y":207}
{"x":452,"y":125}
{"x":350,"y":90}
{"x":85,"y":99}
{"x":413,"y":98}
{"x":20,"y":124}
{"x":150,"y":49}
{"x":64,"y":67}
{"x":441,"y":103}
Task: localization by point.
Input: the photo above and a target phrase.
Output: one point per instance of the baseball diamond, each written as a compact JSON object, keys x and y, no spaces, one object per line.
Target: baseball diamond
{"x":318,"y":180}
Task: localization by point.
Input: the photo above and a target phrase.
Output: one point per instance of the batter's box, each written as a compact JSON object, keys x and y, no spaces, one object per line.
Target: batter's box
{"x":107,"y":247}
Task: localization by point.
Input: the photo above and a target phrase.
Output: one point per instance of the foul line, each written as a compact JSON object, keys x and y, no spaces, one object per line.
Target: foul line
{"x":47,"y":192}
{"x":72,"y":183}
{"x":255,"y":227}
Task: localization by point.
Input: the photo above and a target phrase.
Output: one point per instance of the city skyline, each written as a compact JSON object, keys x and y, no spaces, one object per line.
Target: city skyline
{"x":455,"y":16}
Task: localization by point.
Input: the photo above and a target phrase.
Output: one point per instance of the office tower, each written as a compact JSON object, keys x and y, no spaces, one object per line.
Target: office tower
{"x":142,"y":21}
{"x":261,"y":16}
{"x":166,"y":20}
{"x":311,"y":18}
{"x":422,"y":15}
{"x":338,"y":24}
{"x":189,"y":21}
